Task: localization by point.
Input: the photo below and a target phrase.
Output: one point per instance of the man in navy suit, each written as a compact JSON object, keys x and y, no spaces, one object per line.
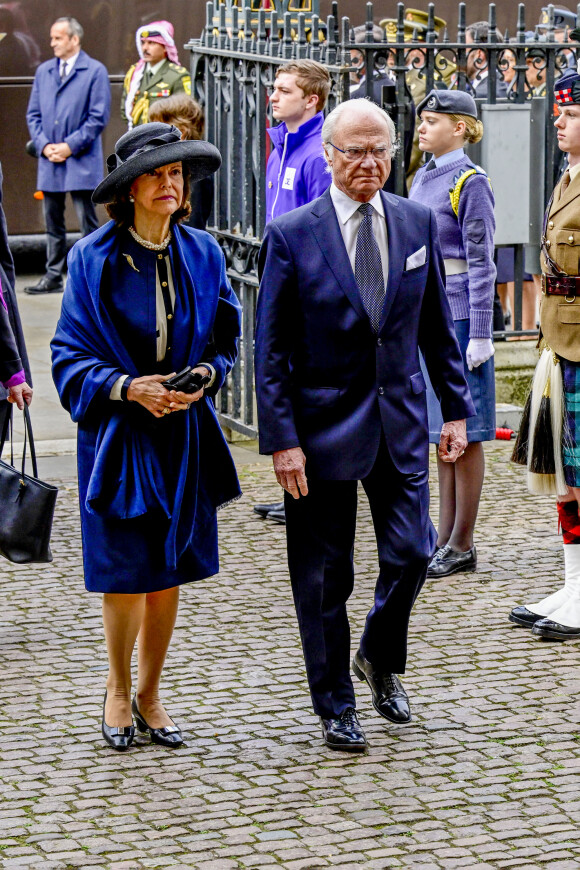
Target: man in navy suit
{"x":351,"y":288}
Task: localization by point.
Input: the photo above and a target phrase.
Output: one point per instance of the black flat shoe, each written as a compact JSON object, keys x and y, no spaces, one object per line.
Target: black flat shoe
{"x":264,"y":509}
{"x":554,"y":630}
{"x":344,"y":733}
{"x":169,"y":736}
{"x":119,"y":738}
{"x":389,"y":697}
{"x":522,"y":616}
{"x":448,"y":561}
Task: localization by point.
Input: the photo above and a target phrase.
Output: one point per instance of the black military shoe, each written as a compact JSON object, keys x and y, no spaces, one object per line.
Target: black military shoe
{"x":554,"y":630}
{"x":278,"y":516}
{"x":389,"y":697}
{"x":448,"y":561}
{"x":344,"y":733}
{"x":522,"y":616}
{"x":264,"y":509}
{"x":45,"y":285}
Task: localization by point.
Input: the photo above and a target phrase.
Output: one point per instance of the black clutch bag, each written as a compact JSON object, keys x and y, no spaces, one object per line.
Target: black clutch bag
{"x":26,"y":504}
{"x":187,"y":381}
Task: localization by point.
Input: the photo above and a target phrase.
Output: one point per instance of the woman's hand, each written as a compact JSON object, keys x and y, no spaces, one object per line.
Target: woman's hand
{"x":184,"y":400}
{"x":20,"y":394}
{"x":149,"y":393}
{"x":159,"y":401}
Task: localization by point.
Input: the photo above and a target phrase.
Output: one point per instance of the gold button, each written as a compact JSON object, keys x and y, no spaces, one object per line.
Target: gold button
{"x":570,"y":238}
{"x":269,"y":184}
{"x":551,"y":225}
{"x":164,"y":283}
{"x":548,"y":244}
{"x":170,"y":316}
{"x":159,"y":256}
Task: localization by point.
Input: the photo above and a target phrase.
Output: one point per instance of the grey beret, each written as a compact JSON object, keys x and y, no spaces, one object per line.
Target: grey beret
{"x":448,"y":103}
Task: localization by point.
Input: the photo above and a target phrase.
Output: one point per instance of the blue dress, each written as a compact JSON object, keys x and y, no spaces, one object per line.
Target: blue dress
{"x":148,"y":488}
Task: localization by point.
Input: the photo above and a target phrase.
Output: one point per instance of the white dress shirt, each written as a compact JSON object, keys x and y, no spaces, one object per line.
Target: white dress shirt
{"x":68,"y":65}
{"x":349,"y":218}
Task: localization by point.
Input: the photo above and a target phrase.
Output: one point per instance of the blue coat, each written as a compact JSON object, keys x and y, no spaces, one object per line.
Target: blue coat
{"x":325,"y":381}
{"x":148,"y":491}
{"x":75,"y":112}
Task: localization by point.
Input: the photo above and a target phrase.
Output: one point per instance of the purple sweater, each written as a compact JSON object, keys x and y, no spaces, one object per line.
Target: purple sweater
{"x":296,"y":171}
{"x":469,"y":236}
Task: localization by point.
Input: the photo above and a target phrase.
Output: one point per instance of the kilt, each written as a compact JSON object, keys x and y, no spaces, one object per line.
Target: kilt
{"x":571,"y":445}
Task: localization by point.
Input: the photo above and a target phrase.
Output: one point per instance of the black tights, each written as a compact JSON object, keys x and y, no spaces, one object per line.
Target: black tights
{"x":460,"y":485}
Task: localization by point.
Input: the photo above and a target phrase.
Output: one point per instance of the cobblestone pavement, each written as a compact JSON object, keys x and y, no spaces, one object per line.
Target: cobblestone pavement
{"x":486,"y":775}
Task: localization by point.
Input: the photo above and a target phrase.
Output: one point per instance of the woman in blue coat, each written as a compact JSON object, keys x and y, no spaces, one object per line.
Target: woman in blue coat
{"x":146,"y":297}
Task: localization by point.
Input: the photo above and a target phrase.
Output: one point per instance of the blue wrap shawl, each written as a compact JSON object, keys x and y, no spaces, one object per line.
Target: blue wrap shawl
{"x":107,"y":328}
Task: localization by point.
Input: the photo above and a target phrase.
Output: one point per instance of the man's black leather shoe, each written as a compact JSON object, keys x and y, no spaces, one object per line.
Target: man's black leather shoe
{"x":448,"y":561}
{"x":389,"y":697}
{"x":264,"y":509}
{"x":45,"y":285}
{"x":522,"y":616}
{"x":344,"y":733}
{"x":554,"y":630}
{"x":279,"y":516}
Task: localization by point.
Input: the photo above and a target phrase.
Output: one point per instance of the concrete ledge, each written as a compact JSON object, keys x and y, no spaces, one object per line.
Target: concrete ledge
{"x":508,"y":416}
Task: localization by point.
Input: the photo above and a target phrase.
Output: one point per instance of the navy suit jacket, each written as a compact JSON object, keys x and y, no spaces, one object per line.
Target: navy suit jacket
{"x":325,"y":381}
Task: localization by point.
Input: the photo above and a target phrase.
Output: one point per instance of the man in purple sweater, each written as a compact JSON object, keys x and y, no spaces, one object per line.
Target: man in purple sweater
{"x":296,"y":173}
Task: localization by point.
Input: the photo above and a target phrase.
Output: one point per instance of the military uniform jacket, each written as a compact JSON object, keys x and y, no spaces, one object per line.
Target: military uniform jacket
{"x":559,"y":318}
{"x":169,"y":79}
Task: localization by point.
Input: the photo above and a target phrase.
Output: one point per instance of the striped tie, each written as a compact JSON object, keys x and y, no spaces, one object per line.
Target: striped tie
{"x":368,"y":267}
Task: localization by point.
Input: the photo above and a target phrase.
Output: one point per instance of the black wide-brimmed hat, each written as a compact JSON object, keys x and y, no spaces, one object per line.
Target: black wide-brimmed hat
{"x":149,"y":146}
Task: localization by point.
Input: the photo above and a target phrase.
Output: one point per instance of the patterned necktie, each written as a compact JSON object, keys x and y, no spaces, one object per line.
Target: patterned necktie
{"x":63,"y":71}
{"x":565,"y":183}
{"x":368,"y":267}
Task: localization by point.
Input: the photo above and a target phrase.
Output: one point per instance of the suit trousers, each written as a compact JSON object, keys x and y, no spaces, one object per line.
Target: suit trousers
{"x":54,"y":205}
{"x":320,"y":538}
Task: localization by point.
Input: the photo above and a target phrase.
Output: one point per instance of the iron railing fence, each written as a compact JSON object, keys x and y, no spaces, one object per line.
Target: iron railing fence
{"x":233,"y":66}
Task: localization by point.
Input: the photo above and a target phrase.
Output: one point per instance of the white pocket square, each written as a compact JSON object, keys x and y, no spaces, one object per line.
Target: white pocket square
{"x":417,"y":259}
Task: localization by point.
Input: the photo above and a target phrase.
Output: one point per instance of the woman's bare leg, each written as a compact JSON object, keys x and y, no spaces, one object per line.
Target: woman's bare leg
{"x":446,"y":478}
{"x":153,"y":643}
{"x":122,"y":618}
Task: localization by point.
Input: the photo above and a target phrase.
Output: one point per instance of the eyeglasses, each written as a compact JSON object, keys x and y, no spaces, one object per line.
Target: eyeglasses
{"x":355,"y":154}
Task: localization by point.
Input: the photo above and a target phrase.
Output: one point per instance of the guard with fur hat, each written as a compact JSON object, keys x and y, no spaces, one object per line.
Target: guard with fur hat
{"x":460,"y":194}
{"x":156,"y":75}
{"x":551,"y":432}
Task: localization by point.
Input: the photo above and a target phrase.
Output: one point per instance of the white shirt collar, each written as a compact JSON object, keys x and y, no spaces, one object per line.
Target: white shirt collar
{"x":574,"y":170}
{"x":480,"y":77}
{"x":345,"y":207}
{"x":70,"y":62}
{"x":156,"y":67}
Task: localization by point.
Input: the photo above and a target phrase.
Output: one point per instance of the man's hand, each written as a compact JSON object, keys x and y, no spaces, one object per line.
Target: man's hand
{"x":57,"y":153}
{"x":289,"y":468}
{"x":20,"y":394}
{"x":453,"y":441}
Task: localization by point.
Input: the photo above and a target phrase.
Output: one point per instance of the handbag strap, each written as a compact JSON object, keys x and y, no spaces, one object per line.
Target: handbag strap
{"x":28,"y":439}
{"x":28,"y":431}
{"x":7,"y":426}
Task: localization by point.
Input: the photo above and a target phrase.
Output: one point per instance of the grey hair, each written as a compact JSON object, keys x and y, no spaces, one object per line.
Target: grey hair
{"x":74,"y":28}
{"x":359,"y":104}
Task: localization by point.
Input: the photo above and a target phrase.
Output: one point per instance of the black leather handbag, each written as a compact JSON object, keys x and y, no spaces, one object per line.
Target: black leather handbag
{"x":26,"y":503}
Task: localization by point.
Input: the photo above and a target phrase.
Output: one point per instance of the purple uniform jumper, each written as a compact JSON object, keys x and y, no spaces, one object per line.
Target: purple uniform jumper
{"x":296,"y":173}
{"x":469,"y":237}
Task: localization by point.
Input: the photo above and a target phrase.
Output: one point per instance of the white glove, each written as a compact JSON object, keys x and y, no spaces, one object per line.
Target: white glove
{"x":479,"y":350}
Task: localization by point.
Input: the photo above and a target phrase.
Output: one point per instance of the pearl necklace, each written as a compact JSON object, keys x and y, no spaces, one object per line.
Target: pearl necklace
{"x":150,"y":245}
